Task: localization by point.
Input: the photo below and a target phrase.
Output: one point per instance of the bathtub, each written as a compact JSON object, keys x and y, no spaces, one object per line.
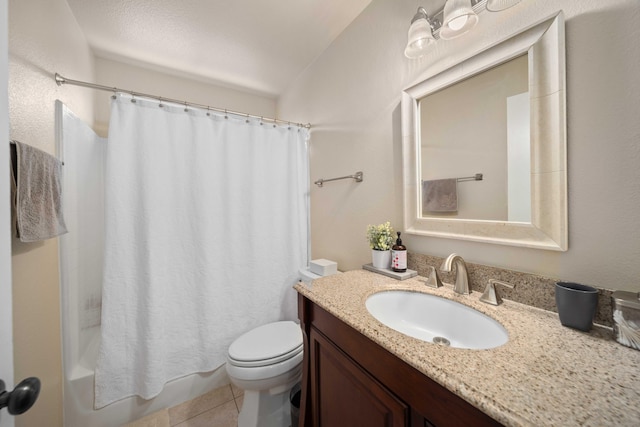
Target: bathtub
{"x":78,"y":396}
{"x":80,"y":257}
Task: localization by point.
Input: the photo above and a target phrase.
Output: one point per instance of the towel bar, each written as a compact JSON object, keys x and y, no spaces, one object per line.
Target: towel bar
{"x":357,"y":176}
{"x":12,"y":144}
{"x":476,"y":177}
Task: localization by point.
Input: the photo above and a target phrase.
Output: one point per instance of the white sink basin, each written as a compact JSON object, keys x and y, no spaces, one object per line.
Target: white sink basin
{"x":438,"y":320}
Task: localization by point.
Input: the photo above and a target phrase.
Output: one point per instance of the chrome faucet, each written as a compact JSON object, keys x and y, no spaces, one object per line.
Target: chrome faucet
{"x":462,"y":277}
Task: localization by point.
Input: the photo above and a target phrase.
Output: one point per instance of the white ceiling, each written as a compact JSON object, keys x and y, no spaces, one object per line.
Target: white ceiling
{"x":258,"y":45}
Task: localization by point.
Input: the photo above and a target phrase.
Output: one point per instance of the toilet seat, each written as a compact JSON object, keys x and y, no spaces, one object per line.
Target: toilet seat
{"x":265,"y":362}
{"x":257,"y":374}
{"x":266,"y":345}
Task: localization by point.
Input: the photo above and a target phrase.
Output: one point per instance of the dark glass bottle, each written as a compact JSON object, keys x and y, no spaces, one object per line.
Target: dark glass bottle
{"x":399,"y":256}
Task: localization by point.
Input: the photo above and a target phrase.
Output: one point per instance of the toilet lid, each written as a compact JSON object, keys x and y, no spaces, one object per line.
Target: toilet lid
{"x":267,"y":342}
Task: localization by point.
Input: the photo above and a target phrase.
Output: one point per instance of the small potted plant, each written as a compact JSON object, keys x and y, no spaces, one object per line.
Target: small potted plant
{"x":380,"y":241}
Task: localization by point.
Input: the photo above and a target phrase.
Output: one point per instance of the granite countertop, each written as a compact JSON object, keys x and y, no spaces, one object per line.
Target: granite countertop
{"x":546,"y":375}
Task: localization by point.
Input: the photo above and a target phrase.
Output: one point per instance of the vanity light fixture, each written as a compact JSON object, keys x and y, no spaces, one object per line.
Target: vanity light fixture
{"x":498,"y":5}
{"x":420,"y":34}
{"x":459,"y":17}
{"x":456,"y":18}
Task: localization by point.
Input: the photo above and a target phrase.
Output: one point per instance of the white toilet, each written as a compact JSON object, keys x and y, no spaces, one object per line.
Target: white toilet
{"x":266,"y":363}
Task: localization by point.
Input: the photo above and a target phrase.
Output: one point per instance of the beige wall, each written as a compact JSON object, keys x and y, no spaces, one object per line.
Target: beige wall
{"x":43,"y":39}
{"x":133,"y":77}
{"x":351,"y":95}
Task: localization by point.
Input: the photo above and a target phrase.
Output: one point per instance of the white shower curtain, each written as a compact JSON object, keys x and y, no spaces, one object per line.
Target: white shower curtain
{"x":206,"y":228}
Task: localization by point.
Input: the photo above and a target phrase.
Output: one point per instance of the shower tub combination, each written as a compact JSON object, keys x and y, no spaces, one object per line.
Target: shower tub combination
{"x":81,"y":253}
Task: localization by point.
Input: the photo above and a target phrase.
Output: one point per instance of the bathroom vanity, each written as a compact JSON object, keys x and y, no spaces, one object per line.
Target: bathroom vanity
{"x":356,"y":382}
{"x":359,"y":372}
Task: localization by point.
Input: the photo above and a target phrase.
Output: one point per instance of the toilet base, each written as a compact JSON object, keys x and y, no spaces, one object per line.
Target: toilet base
{"x":264,"y":410}
{"x":270,"y":407}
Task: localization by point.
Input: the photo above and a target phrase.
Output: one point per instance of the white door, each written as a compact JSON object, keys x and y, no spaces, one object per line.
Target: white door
{"x":6,"y":339}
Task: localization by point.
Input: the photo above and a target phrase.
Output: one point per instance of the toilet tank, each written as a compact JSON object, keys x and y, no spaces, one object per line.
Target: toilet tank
{"x":307,"y":276}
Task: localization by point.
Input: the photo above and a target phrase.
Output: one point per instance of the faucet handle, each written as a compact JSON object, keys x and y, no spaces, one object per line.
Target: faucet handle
{"x":434,"y":280}
{"x":490,"y":296}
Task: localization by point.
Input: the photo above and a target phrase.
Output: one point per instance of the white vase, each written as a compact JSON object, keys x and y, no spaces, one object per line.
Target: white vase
{"x":381,"y":259}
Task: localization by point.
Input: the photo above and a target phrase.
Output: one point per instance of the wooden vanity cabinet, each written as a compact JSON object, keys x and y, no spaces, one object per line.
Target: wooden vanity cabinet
{"x":345,"y":394}
{"x":350,"y":381}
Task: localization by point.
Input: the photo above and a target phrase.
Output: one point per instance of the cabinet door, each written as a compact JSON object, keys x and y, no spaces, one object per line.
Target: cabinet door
{"x":344,"y":395}
{"x":418,"y":420}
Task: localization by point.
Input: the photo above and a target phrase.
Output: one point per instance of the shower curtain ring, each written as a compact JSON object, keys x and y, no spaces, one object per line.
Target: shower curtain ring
{"x":247,"y":119}
{"x":288,"y":125}
{"x":225,"y":114}
{"x":186,"y":107}
{"x":208,"y":111}
{"x":133,"y":97}
{"x":261,"y":121}
{"x":161,"y":105}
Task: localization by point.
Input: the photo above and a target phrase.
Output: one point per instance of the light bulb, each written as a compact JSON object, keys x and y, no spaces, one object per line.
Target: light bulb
{"x":459,"y":17}
{"x":457,"y":23}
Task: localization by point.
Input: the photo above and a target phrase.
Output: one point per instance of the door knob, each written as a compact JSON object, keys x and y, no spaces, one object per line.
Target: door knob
{"x":23,"y":396}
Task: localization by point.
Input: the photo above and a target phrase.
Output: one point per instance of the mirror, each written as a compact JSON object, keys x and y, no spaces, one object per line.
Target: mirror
{"x":494,"y":142}
{"x":484,"y":145}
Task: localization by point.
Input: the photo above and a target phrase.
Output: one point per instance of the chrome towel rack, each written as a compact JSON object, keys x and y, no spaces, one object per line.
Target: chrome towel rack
{"x":476,"y":177}
{"x":356,"y":176}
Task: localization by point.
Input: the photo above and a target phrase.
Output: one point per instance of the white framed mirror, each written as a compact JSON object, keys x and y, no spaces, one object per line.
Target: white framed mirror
{"x":484,"y":145}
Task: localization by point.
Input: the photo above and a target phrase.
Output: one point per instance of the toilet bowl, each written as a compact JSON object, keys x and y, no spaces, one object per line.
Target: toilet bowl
{"x":266,"y":363}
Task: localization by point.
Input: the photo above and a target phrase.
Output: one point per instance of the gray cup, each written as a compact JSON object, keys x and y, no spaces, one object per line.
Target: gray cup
{"x":576,"y":305}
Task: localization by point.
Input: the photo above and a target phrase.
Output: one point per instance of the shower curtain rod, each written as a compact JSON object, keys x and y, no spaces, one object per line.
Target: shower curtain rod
{"x":60,"y":80}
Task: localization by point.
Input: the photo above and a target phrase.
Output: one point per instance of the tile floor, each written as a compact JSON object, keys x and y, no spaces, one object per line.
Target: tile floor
{"x":218,"y":408}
